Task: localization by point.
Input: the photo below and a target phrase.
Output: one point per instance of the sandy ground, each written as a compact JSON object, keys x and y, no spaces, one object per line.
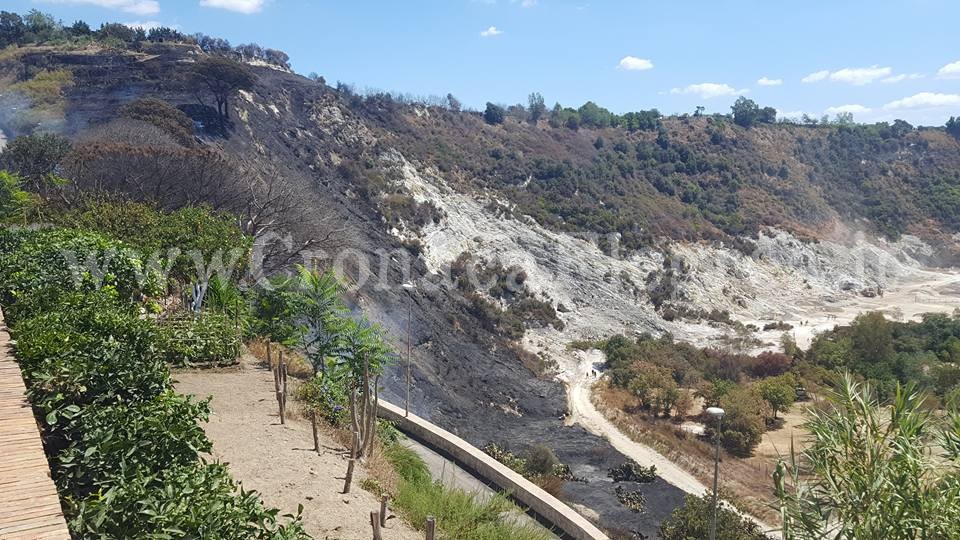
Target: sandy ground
{"x":278,"y":460}
{"x":925,"y":291}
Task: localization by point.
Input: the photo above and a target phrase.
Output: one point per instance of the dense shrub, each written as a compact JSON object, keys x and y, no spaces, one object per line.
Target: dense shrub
{"x":125,"y":449}
{"x":206,"y":338}
{"x":327,"y":396}
{"x":161,"y":114}
{"x":631,"y":471}
{"x":692,"y":520}
{"x":192,"y":501}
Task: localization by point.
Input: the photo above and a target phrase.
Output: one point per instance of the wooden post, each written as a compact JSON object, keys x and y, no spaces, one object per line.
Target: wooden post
{"x":375,"y":523}
{"x":354,"y":445}
{"x":316,"y":436}
{"x":349,"y":478}
{"x":269,"y":357}
{"x":431,"y":527}
{"x":383,"y":510}
{"x":280,"y":384}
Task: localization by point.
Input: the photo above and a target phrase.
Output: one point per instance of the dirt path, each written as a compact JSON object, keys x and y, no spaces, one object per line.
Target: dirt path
{"x":582,"y":411}
{"x":278,"y":460}
{"x":580,"y":379}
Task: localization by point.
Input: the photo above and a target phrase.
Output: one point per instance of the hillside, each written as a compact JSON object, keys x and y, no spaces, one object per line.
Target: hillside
{"x":695,"y":227}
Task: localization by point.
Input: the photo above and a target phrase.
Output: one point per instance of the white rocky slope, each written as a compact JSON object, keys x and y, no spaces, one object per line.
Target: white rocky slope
{"x":784,"y":280}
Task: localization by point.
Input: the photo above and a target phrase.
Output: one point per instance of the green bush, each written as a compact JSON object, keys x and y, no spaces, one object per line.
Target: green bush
{"x":193,"y":501}
{"x":327,"y":396}
{"x":112,"y":443}
{"x":124,"y":447}
{"x":204,"y":338}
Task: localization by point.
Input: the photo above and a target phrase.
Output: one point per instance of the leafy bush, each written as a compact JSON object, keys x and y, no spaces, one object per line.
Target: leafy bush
{"x":13,"y":200}
{"x":327,"y":396}
{"x":634,"y":500}
{"x":692,"y":520}
{"x":205,"y":338}
{"x":193,"y":501}
{"x":111,"y":443}
{"x":631,"y":471}
{"x":124,"y":447}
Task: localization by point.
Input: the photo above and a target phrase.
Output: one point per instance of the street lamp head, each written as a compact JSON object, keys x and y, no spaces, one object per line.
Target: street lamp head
{"x":716,"y":412}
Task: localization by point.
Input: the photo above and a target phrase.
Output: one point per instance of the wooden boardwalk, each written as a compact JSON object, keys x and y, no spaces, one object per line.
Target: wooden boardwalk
{"x":29,"y":504}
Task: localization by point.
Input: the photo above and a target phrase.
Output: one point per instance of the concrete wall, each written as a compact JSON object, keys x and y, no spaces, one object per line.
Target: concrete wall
{"x":547,"y":506}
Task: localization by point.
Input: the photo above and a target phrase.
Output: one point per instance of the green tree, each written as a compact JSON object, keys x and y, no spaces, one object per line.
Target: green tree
{"x":11,"y":29}
{"x":222,"y":77}
{"x":873,"y":471}
{"x":691,"y":521}
{"x":13,"y":200}
{"x":953,"y":127}
{"x":872,"y":340}
{"x":778,"y":392}
{"x":35,"y":157}
{"x":536,"y":107}
{"x":319,"y":308}
{"x":494,"y":114}
{"x":742,"y":426}
{"x":745,"y":112}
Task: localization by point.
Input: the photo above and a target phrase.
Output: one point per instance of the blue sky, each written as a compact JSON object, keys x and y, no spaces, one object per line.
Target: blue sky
{"x":879,"y":59}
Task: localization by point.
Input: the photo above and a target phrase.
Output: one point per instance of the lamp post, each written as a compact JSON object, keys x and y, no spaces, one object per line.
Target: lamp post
{"x":409,"y":287}
{"x":717,"y":413}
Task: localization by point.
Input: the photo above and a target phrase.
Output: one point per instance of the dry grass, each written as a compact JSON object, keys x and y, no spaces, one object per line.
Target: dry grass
{"x":297,"y":364}
{"x":748,"y":480}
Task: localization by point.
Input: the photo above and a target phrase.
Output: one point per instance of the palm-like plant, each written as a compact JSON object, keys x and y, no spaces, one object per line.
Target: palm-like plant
{"x":873,"y":472}
{"x":320,"y":308}
{"x":364,"y":355}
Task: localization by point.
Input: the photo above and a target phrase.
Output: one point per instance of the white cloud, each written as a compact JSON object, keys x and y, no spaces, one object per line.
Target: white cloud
{"x":794,"y":115}
{"x":240,"y":6}
{"x":902,"y":77}
{"x":525,"y":3}
{"x":924,"y":100}
{"x":950,"y":71}
{"x":632,"y":63}
{"x":816,"y":76}
{"x":490,"y":32}
{"x":853,"y":109}
{"x":861,"y":76}
{"x":763,"y":81}
{"x":149,"y":25}
{"x":708,"y":90}
{"x":137,"y":7}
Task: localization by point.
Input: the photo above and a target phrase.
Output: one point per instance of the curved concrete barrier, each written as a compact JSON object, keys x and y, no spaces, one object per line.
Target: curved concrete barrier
{"x":526,"y":492}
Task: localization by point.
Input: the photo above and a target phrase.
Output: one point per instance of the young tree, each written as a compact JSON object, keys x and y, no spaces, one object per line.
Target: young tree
{"x":779,"y":392}
{"x":222,"y":77}
{"x":320,"y":310}
{"x":365,"y":355}
{"x":873,"y":472}
{"x":536,"y":107}
{"x":494,"y":114}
